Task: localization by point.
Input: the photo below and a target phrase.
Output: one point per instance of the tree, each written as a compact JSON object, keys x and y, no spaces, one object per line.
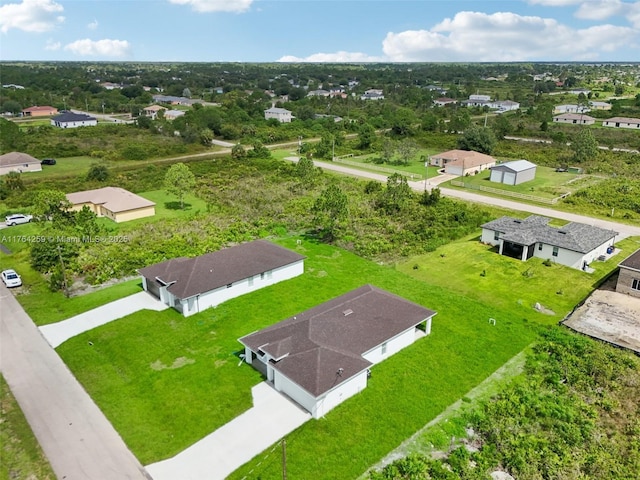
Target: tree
{"x":501,"y":126}
{"x":584,"y":146}
{"x":52,"y":205}
{"x":306,"y":170}
{"x":10,"y":136}
{"x":13,"y":181}
{"x":429,"y":122}
{"x":397,"y":193}
{"x":238,"y":152}
{"x":98,"y":172}
{"x":259,"y":150}
{"x":460,"y":121}
{"x":329,"y":209}
{"x":406,"y":151}
{"x":366,"y":136}
{"x":179,"y":180}
{"x":388,"y":149}
{"x":479,"y":139}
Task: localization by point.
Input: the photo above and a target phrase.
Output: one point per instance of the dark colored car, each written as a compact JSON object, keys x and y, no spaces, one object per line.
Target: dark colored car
{"x":48,"y":161}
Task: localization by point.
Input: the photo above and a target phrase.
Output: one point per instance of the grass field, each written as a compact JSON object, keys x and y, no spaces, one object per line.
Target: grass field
{"x":141,"y":369}
{"x":21,"y":457}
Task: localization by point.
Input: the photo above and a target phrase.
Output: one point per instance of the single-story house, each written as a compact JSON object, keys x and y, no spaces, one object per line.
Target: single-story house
{"x":19,"y":162}
{"x":622,"y":122}
{"x":281,"y":114}
{"x":173,"y":114}
{"x":505,"y":105}
{"x":39,"y":111}
{"x":629,"y":275}
{"x":152,"y":111}
{"x":115,"y":203}
{"x":322,"y":356}
{"x":444,"y":101}
{"x":462,"y":162}
{"x":372,"y":94}
{"x":575,"y":245}
{"x":574,"y":118}
{"x":73,"y":120}
{"x":513,"y":173}
{"x":600,"y":105}
{"x":191,"y":285}
{"x":570,"y":109}
{"x":173,"y":100}
{"x":318,"y":93}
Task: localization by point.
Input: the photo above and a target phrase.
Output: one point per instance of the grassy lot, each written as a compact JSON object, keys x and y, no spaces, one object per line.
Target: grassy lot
{"x":21,"y":457}
{"x":140,"y":369}
{"x":547,"y":184}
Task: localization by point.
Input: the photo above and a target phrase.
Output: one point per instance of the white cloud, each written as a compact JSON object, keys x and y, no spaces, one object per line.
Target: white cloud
{"x":30,"y":16}
{"x":235,"y":6}
{"x":598,"y":9}
{"x":52,"y":46}
{"x":102,"y":48}
{"x":337,"y":57}
{"x":504,"y":36}
{"x":93,"y":25}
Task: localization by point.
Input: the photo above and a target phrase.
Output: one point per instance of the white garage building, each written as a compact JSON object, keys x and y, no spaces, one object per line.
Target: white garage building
{"x":322,"y":356}
{"x":191,"y":285}
{"x":513,"y":173}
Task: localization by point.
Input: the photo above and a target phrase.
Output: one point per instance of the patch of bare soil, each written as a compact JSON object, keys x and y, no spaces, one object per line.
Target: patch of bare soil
{"x":610,"y":316}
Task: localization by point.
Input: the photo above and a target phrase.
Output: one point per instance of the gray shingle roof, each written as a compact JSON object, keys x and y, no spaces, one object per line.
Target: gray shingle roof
{"x":72,"y":117}
{"x":188,"y":277}
{"x":313,"y":345}
{"x":632,"y":261}
{"x":16,"y":158}
{"x":577,"y":237}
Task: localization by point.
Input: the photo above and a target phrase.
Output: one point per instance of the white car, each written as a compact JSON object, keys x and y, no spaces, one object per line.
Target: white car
{"x":11,"y":278}
{"x":17,"y":218}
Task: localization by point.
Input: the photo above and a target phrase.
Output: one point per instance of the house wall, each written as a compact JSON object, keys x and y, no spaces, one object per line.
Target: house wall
{"x":621,"y":124}
{"x":41,"y":113}
{"x":320,"y":406}
{"x":525,"y":176}
{"x":21,"y":168}
{"x":215,"y":297}
{"x":584,"y":121}
{"x":488,"y":236}
{"x":570,"y":258}
{"x":391,"y":346}
{"x":625,"y":281}
{"x":134,"y":214}
{"x":87,"y":123}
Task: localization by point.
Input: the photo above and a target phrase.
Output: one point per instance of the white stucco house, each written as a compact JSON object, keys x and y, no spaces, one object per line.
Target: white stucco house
{"x":281,"y":114}
{"x":571,"y":108}
{"x":372,"y":94}
{"x":622,"y":122}
{"x":574,"y":119}
{"x":575,"y":245}
{"x":73,"y":120}
{"x":323,"y":356}
{"x":513,"y":173}
{"x":462,"y":162}
{"x":191,"y":285}
{"x":19,"y":162}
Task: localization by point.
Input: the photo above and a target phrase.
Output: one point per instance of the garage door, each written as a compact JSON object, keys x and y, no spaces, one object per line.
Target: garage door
{"x":509,"y":178}
{"x":153,"y":288}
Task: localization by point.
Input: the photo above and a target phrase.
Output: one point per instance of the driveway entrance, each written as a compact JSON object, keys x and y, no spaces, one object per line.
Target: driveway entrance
{"x":217,"y":455}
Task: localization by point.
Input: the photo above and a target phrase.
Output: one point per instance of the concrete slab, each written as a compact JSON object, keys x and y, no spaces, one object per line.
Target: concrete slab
{"x":57,"y":333}
{"x":217,"y":455}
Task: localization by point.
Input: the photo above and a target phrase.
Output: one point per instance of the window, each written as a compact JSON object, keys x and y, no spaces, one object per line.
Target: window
{"x":540,"y":246}
{"x":383,"y":349}
{"x":262,"y":276}
{"x":635,"y":284}
{"x":269,"y":274}
{"x":555,"y":251}
{"x":496,"y":235}
{"x":229,"y":285}
{"x":251,"y":281}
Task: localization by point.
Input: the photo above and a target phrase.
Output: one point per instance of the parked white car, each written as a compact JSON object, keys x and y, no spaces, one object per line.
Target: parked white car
{"x":11,"y":278}
{"x":17,"y":219}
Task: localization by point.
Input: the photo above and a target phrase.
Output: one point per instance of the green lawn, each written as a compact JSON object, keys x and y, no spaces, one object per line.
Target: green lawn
{"x":142,"y":369}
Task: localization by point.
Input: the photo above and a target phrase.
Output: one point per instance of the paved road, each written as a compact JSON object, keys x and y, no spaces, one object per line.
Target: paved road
{"x":76,"y":437}
{"x":623,"y":229}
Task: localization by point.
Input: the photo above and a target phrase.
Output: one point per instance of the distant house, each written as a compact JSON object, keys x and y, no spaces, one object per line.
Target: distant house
{"x":39,"y":111}
{"x":575,"y":245}
{"x":462,"y":162}
{"x":372,"y":94}
{"x":629,"y":275}
{"x":152,"y":111}
{"x":570,"y":109}
{"x":505,"y":105}
{"x":444,"y":101}
{"x":281,"y":114}
{"x":322,"y":356}
{"x":173,"y":114}
{"x":191,"y":285}
{"x":600,"y":105}
{"x":578,"y":91}
{"x":114,"y":203}
{"x":73,"y":120}
{"x":574,"y":119}
{"x":318,"y":93}
{"x":173,"y":100}
{"x":18,"y":162}
{"x":513,"y":173}
{"x":621,"y":122}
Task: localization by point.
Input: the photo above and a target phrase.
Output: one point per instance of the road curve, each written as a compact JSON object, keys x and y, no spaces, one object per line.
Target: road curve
{"x":76,"y":437}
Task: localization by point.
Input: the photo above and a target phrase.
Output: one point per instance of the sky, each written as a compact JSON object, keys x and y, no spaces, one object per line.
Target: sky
{"x":320,"y":30}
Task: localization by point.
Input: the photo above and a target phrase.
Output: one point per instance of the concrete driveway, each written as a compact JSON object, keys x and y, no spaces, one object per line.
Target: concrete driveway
{"x":217,"y":455}
{"x":57,"y":333}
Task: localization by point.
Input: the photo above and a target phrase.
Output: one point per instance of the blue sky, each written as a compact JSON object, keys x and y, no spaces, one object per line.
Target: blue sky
{"x":320,"y":30}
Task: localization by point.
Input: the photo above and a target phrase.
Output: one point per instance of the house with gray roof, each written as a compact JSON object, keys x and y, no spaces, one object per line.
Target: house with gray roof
{"x":513,"y":173}
{"x":575,"y":245}
{"x":323,"y":356}
{"x":73,"y":120}
{"x":19,"y":162}
{"x":191,"y":285}
{"x":281,"y":114}
{"x":629,"y":275}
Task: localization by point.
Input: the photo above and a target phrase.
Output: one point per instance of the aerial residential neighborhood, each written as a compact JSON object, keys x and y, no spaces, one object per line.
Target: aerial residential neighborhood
{"x":262,"y":240}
